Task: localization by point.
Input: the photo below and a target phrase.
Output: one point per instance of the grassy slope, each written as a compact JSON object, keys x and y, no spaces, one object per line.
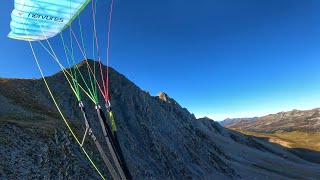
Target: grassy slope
{"x":296,"y":139}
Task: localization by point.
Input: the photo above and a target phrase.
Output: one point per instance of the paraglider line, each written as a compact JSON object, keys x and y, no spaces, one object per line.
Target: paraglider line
{"x":97,"y":45}
{"x":108,"y":48}
{"x":56,"y":104}
{"x":88,"y":63}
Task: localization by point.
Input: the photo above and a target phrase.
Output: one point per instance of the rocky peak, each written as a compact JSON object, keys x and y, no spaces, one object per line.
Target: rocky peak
{"x":84,"y":62}
{"x":164,"y":97}
{"x":167,"y":99}
{"x":206,"y":118}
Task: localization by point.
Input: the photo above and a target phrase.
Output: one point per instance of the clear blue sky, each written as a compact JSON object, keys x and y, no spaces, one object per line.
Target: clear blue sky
{"x":217,"y":58}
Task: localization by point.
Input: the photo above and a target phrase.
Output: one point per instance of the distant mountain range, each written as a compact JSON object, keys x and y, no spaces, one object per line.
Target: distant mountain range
{"x":235,"y":120}
{"x":159,"y":138}
{"x":290,"y":121}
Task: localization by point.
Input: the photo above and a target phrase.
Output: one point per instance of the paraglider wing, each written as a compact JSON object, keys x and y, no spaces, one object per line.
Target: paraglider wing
{"x":42,"y":19}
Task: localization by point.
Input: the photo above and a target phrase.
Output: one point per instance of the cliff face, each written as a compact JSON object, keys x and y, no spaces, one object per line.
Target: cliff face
{"x":159,"y":138}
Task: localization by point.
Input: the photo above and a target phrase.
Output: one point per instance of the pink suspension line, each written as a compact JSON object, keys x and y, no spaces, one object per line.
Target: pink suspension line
{"x":98,"y":52}
{"x":100,"y":89}
{"x":108,"y":48}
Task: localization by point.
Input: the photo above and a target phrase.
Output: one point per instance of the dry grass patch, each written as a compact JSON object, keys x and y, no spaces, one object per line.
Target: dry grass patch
{"x":295,"y":139}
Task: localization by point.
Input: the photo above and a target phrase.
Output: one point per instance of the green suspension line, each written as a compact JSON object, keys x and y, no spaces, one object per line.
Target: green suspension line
{"x":84,"y":50}
{"x":77,"y":69}
{"x":93,"y":52}
{"x":72,"y":71}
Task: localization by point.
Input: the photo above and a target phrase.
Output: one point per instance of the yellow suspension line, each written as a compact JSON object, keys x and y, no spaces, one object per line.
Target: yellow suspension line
{"x":56,"y":104}
{"x":64,"y":70}
{"x":64,"y":119}
{"x":57,"y":60}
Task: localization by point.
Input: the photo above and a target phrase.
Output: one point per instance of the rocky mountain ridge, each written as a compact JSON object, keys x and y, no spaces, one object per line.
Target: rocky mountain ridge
{"x":159,"y":138}
{"x":235,"y":120}
{"x":295,"y":120}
